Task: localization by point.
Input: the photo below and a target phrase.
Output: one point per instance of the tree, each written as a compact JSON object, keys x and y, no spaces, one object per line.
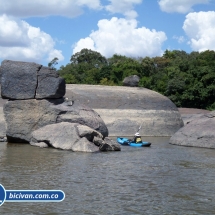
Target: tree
{"x":86,"y":56}
{"x":122,"y":66}
{"x":53,"y":63}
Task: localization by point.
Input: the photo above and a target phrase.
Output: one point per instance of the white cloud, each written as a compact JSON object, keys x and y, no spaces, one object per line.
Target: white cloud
{"x":27,"y":8}
{"x":180,"y":6}
{"x":121,"y":36}
{"x":55,"y":53}
{"x":180,"y":39}
{"x":124,"y":7}
{"x":200,"y":28}
{"x":20,"y":41}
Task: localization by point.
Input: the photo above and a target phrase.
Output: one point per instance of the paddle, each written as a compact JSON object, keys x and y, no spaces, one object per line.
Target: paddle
{"x":139,"y":127}
{"x":129,"y":140}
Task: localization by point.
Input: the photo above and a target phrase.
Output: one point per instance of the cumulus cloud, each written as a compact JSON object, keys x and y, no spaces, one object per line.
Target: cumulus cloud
{"x":27,"y":8}
{"x":20,"y":41}
{"x":124,"y":7}
{"x":200,"y":28}
{"x":179,"y":6}
{"x":121,"y":36}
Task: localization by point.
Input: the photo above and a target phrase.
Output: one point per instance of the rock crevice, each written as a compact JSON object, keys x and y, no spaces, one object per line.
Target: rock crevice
{"x":23,"y":80}
{"x":37,"y":113}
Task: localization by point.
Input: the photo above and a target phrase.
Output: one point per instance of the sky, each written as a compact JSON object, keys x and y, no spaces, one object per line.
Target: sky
{"x":38,"y":31}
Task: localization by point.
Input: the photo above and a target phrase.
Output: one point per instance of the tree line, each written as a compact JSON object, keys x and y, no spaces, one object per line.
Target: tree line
{"x":188,"y":79}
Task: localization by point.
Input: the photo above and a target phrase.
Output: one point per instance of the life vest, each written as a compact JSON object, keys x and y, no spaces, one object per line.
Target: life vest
{"x":138,"y":139}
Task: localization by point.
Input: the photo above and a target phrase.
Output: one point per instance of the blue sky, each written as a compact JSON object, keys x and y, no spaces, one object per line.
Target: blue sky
{"x":38,"y":31}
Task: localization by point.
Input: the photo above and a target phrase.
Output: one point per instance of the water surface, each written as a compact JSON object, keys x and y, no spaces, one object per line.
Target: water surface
{"x":161,"y":179}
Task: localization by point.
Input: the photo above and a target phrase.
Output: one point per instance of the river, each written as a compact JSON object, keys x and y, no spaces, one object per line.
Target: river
{"x":161,"y":179}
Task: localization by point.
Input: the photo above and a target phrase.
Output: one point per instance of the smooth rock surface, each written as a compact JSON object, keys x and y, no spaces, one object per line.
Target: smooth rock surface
{"x":199,"y":132}
{"x":25,"y":116}
{"x":124,"y":109}
{"x":60,"y":136}
{"x":188,"y":114}
{"x":24,"y":80}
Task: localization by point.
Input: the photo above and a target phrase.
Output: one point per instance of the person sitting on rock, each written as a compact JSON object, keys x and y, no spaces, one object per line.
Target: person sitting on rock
{"x":137,"y":138}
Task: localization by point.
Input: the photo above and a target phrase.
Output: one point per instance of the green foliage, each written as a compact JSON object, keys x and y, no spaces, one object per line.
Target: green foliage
{"x":106,"y":82}
{"x":89,"y":57}
{"x":53,"y":63}
{"x":187,"y":79}
{"x":122,"y":66}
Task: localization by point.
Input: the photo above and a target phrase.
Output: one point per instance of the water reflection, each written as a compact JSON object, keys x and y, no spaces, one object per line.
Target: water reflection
{"x":161,"y":179}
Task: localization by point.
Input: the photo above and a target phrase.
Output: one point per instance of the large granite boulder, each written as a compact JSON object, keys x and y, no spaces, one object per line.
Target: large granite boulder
{"x":50,"y":85}
{"x":124,"y":109}
{"x":24,"y":80}
{"x":198,"y":132}
{"x":25,"y":116}
{"x":131,"y":81}
{"x":70,"y":136}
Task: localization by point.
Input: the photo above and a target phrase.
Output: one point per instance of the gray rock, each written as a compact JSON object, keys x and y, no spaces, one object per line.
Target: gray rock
{"x":98,"y":141}
{"x":61,"y":136}
{"x":199,"y":132}
{"x":50,"y":85}
{"x":82,"y":114}
{"x":124,"y":109}
{"x":187,"y":118}
{"x":109,"y":145}
{"x":87,"y":132}
{"x":64,"y":136}
{"x":25,"y":116}
{"x":131,"y":81}
{"x":84,"y":145}
{"x":3,"y":139}
{"x":34,"y":142}
{"x":19,"y":79}
{"x":24,"y":80}
{"x":2,"y":126}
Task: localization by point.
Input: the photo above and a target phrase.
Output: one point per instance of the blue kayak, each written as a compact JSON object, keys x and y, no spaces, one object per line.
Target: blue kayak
{"x":126,"y":142}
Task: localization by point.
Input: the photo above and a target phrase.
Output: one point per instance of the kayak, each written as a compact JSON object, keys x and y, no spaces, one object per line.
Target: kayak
{"x":126,"y":142}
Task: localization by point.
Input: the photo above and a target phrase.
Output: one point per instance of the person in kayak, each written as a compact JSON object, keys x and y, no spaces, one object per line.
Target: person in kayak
{"x":137,"y":138}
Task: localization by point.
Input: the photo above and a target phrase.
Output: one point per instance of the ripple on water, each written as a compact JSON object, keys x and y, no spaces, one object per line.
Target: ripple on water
{"x":161,"y":179}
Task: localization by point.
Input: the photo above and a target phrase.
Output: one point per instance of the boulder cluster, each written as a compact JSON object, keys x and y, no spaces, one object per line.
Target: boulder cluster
{"x":38,"y":113}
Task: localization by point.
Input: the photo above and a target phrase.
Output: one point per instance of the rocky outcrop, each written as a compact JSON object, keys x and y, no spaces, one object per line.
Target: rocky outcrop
{"x":38,"y":113}
{"x":70,"y":136}
{"x":131,"y":81}
{"x":24,"y":80}
{"x":124,"y":109}
{"x":25,"y":116}
{"x":198,"y":132}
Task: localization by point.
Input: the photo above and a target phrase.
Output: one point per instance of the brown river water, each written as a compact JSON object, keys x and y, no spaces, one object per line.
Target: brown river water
{"x":161,"y":179}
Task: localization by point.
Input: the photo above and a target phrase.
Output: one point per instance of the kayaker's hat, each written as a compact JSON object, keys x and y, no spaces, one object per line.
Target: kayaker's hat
{"x":137,"y":134}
